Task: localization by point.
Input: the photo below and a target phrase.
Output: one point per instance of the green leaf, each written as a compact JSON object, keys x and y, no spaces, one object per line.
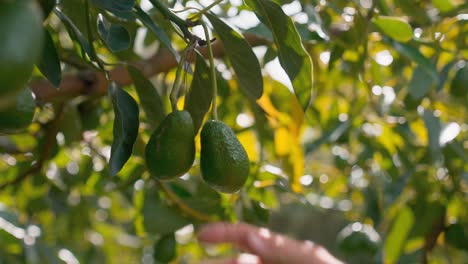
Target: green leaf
{"x":433,"y":127}
{"x":47,"y":6}
{"x":125,"y":129}
{"x":75,"y":33}
{"x":165,"y":248}
{"x":242,"y":58}
{"x":398,"y":234}
{"x":292,"y":55}
{"x":456,"y":236}
{"x":198,"y":99}
{"x":158,"y":32}
{"x":420,"y":84}
{"x":443,"y":5}
{"x":149,"y":98}
{"x":160,"y":218}
{"x":115,"y":5}
{"x":115,"y":36}
{"x":394,"y":27}
{"x":415,"y":55}
{"x":70,"y":125}
{"x":49,"y":65}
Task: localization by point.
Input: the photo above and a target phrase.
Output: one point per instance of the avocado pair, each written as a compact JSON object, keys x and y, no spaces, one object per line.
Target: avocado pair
{"x":171,"y":150}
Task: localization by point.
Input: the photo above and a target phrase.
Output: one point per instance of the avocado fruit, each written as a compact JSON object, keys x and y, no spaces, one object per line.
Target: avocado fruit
{"x":22,"y":37}
{"x":165,"y":248}
{"x":224,"y":162}
{"x":171,"y":149}
{"x":459,"y":84}
{"x":19,"y":114}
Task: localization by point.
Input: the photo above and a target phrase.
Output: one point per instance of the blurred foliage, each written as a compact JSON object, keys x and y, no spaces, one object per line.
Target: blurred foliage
{"x":375,"y":169}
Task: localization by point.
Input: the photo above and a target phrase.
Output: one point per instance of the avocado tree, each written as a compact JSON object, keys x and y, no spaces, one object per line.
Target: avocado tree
{"x":126,"y":125}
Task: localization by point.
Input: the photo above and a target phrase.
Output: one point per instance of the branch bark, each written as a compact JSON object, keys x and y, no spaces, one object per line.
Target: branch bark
{"x":94,"y":83}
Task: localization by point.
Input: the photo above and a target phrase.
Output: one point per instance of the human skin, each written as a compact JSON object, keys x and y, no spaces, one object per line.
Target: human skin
{"x":268,"y":247}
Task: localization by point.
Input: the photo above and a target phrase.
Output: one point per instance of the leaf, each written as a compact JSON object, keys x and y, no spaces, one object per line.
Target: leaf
{"x":397,"y":236}
{"x":420,"y":84}
{"x":413,"y":54}
{"x":456,"y":236}
{"x":158,"y":32}
{"x":198,"y":100}
{"x":125,"y":129}
{"x":394,"y":27}
{"x":160,"y":218}
{"x":49,"y":65}
{"x":443,"y":5}
{"x":242,"y":58}
{"x":115,"y":5}
{"x":292,"y":55}
{"x":433,"y":127}
{"x":149,"y":97}
{"x":75,"y":33}
{"x":115,"y":36}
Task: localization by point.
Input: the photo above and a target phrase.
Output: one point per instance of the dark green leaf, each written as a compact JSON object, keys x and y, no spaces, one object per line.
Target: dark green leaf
{"x":292,"y":55}
{"x":158,"y":32}
{"x":459,"y":84}
{"x":433,"y":127}
{"x":125,"y":129}
{"x":456,"y":236}
{"x":115,"y":36}
{"x":394,"y":27}
{"x":415,"y":55}
{"x":75,"y":33}
{"x":444,"y":75}
{"x":47,"y":6}
{"x":420,"y":84}
{"x":49,"y":65}
{"x":165,"y":248}
{"x":149,"y":97}
{"x":115,"y":5}
{"x":198,"y":100}
{"x":242,"y":58}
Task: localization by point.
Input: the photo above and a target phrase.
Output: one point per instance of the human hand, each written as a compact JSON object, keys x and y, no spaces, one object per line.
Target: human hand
{"x":269,"y":247}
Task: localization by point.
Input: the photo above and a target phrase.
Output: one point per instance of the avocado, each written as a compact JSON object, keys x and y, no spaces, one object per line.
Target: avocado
{"x":224,"y":162}
{"x":165,"y":248}
{"x":22,"y":37}
{"x":171,"y":149}
{"x":19,"y":114}
{"x":459,"y":85}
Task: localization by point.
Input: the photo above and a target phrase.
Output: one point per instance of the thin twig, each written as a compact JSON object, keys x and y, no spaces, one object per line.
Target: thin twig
{"x":44,"y":154}
{"x":182,"y":206}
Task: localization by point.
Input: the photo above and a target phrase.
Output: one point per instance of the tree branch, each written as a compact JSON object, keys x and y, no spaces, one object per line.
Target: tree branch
{"x":182,"y":206}
{"x":94,"y":83}
{"x":45,"y":152}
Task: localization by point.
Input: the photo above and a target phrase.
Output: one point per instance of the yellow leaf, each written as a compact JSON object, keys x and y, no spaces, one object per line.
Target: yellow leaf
{"x":282,"y":141}
{"x":249,"y":142}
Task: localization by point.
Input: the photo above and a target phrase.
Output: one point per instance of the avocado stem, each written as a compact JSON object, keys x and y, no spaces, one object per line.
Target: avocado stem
{"x":214,"y":85}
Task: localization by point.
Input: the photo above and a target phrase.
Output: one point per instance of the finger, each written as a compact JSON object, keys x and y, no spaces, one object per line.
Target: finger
{"x":241,"y":259}
{"x":226,"y":233}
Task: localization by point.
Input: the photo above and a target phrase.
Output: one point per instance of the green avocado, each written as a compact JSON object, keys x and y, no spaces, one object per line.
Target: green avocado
{"x":18,"y":115}
{"x":357,"y":239}
{"x":459,"y":85}
{"x":165,"y":248}
{"x":171,"y":149}
{"x":22,"y":36}
{"x":224,"y":162}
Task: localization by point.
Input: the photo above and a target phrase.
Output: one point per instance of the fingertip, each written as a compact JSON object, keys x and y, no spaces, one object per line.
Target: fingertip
{"x":210,"y":232}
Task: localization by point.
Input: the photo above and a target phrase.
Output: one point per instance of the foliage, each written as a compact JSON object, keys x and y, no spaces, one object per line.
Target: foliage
{"x":367,"y":158}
